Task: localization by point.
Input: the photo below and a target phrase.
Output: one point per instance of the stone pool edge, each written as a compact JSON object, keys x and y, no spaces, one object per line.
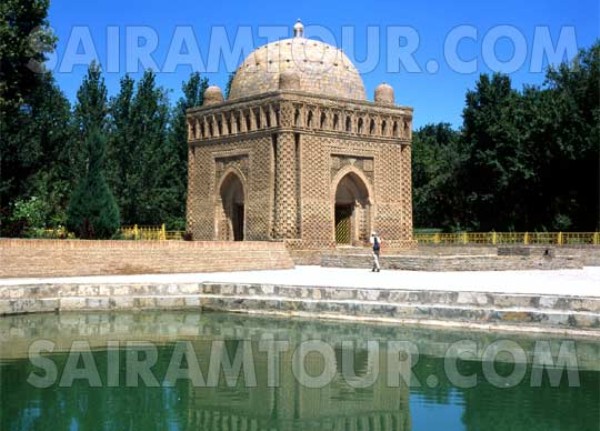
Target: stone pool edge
{"x":486,"y":311}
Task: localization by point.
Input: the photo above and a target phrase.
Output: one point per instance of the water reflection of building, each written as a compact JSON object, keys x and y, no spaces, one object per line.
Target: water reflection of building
{"x":292,"y":405}
{"x":289,"y":406}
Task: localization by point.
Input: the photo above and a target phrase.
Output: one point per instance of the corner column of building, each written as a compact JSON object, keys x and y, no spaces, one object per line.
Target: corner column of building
{"x":286,"y":205}
{"x":192,"y":195}
{"x":406,"y":185}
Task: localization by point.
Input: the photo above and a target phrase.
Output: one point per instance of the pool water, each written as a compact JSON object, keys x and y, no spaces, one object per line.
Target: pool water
{"x":215,"y":371}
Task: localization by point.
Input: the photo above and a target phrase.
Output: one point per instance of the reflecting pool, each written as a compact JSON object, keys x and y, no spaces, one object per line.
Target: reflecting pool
{"x":212,"y":371}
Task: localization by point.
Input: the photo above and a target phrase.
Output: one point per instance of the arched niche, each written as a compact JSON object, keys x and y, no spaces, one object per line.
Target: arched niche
{"x":230,"y":208}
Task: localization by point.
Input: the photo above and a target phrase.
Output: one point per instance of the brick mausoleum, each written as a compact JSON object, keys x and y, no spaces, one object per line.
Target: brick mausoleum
{"x":298,"y":153}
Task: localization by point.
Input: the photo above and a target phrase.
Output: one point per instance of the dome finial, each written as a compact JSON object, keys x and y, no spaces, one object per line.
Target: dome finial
{"x":299,"y":29}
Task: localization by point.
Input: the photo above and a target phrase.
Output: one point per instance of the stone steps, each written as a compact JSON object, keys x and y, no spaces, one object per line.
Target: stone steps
{"x":364,"y":309}
{"x":466,"y":298}
{"x":374,"y":310}
{"x":396,"y":305}
{"x":389,"y":296}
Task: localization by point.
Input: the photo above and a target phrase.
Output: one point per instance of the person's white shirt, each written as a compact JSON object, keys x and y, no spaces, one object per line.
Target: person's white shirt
{"x":372,"y":239}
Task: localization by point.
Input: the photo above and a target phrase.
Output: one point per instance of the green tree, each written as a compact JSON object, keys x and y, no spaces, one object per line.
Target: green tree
{"x":37,"y":164}
{"x":193,"y":95}
{"x":52,"y":179}
{"x":228,"y":86}
{"x":571,"y":173}
{"x":435,"y":160}
{"x":491,"y":148}
{"x":25,"y":38}
{"x":90,"y":113}
{"x":122,"y":147}
{"x":93,"y":211}
{"x":157,"y":158}
{"x":529,"y":159}
{"x":142,"y":156}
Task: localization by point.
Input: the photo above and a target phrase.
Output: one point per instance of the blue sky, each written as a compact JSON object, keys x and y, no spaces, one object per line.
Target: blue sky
{"x":430,"y":51}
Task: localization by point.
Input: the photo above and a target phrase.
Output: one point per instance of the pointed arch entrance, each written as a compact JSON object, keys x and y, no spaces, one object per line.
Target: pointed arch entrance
{"x":231,"y":209}
{"x":352,"y":210}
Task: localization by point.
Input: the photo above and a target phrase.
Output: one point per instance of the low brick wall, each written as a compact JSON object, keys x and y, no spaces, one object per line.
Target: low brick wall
{"x":306,"y":257}
{"x":54,"y":258}
{"x":458,"y":257}
{"x":588,"y":255}
{"x":451,"y":263}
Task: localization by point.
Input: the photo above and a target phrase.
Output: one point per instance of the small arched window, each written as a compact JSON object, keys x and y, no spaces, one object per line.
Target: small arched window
{"x":309,"y":120}
{"x":360,"y":126}
{"x":248,"y":123}
{"x":384,"y":128}
{"x":257,"y":118}
{"x":372,"y":127}
{"x":192,"y":131}
{"x":336,"y":122}
{"x":228,"y":131}
{"x":348,"y":124}
{"x":297,"y":118}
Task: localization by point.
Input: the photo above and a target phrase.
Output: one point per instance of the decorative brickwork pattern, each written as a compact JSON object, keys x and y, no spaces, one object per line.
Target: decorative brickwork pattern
{"x":318,"y":68}
{"x":285,"y":223}
{"x":310,"y":157}
{"x":290,"y":163}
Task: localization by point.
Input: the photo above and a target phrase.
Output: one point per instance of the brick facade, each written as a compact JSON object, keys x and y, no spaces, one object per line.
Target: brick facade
{"x":310,"y":164}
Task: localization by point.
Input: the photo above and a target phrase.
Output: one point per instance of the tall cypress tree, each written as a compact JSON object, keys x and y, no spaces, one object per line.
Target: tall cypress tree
{"x":193,"y":95}
{"x":93,"y":211}
{"x":89,"y":113}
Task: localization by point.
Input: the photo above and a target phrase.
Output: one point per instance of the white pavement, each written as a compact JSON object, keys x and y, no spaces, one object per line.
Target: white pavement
{"x":578,"y":282}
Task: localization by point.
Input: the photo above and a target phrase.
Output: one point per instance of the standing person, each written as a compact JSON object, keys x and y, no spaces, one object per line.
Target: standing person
{"x":375,"y":241}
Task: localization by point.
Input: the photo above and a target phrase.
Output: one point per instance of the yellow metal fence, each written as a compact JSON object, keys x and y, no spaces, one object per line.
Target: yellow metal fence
{"x":150,"y":233}
{"x":160,"y":233}
{"x":493,"y":238}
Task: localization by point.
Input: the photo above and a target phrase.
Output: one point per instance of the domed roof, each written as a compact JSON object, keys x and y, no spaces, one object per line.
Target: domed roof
{"x":313,"y":66}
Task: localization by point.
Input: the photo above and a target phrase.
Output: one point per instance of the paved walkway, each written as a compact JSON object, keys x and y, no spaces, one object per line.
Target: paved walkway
{"x":578,"y":282}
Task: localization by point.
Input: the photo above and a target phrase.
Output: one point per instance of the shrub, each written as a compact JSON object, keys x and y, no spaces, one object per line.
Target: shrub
{"x":93,"y":211}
